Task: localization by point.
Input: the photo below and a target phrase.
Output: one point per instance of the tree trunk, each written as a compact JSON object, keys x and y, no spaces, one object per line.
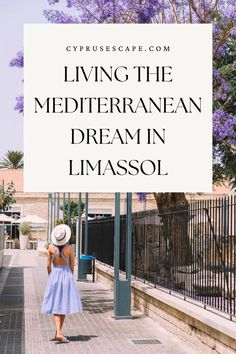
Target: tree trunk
{"x":173,"y":209}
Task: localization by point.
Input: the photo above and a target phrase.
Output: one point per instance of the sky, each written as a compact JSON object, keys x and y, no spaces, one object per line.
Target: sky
{"x":13,"y":15}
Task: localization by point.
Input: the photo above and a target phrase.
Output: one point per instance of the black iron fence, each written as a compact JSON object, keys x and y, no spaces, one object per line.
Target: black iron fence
{"x":191,"y":251}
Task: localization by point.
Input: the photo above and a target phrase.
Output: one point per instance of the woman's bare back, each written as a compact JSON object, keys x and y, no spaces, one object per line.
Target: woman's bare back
{"x":58,"y":260}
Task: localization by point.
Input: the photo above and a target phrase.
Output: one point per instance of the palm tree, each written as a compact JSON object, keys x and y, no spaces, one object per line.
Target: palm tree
{"x":12,"y":159}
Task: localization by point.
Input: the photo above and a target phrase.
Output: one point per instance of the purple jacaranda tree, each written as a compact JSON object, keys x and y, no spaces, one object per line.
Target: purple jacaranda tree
{"x":222,"y":14}
{"x":18,"y":62}
{"x":219,"y":12}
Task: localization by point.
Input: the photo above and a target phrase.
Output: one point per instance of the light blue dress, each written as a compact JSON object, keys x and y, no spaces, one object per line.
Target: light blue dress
{"x":61,"y":296}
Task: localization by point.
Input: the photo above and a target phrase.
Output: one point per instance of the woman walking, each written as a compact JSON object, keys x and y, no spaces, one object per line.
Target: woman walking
{"x":61,"y":295}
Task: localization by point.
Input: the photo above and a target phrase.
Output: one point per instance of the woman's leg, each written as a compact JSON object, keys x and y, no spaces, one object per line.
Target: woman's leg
{"x":62,"y":319}
{"x":57,"y":319}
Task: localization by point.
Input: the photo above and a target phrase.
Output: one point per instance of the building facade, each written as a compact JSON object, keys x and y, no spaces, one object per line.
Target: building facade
{"x":100,"y":204}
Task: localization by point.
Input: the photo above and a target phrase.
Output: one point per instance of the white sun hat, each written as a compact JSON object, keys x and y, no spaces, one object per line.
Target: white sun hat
{"x":60,"y":235}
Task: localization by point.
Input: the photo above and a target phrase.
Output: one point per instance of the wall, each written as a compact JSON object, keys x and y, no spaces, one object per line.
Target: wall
{"x":209,"y":332}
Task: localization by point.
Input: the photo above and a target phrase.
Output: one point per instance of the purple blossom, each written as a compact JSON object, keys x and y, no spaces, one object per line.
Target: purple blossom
{"x":224,"y":126}
{"x":53,"y":2}
{"x":69,"y":3}
{"x":18,"y":61}
{"x":56,"y":16}
{"x":222,"y":88}
{"x":117,"y":11}
{"x":142,"y":197}
{"x":219,"y":50}
{"x":217,"y":154}
{"x":216,"y":75}
{"x":145,"y":11}
{"x":19,"y":104}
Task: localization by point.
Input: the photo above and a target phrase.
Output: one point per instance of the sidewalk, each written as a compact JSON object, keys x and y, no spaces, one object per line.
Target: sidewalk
{"x":25,"y":331}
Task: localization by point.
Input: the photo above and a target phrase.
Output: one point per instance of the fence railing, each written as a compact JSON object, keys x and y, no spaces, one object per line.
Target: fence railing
{"x":191,"y":251}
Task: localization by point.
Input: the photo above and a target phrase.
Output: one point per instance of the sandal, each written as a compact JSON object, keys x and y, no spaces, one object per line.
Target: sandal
{"x":61,"y":339}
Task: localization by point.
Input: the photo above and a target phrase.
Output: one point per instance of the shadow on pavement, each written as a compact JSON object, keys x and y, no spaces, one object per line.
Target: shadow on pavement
{"x":94,"y":301}
{"x":81,"y":338}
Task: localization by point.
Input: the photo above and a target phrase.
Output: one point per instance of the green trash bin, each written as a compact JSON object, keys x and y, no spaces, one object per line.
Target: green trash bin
{"x":87,"y":265}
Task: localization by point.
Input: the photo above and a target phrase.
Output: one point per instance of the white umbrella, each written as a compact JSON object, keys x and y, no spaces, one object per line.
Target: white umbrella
{"x":32,"y":219}
{"x":5,"y":218}
{"x":83,"y":217}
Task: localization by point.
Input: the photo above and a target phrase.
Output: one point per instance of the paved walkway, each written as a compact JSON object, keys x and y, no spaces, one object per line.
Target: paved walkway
{"x":25,"y":331}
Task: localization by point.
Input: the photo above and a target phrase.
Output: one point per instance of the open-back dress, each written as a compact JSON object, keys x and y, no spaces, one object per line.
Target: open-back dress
{"x":61,"y":296}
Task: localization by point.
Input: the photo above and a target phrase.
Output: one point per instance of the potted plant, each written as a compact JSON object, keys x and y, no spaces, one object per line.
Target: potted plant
{"x":25,"y":231}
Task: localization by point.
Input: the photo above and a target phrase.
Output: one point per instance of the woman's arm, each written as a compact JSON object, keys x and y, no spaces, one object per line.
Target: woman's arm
{"x":72,"y":260}
{"x":49,"y":264}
